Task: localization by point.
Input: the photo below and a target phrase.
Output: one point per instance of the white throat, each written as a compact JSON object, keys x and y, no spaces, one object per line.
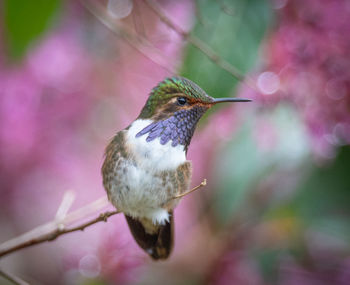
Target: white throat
{"x":153,"y":155}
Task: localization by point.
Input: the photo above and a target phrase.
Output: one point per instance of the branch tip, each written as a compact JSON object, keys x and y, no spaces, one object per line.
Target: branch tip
{"x":204,"y":182}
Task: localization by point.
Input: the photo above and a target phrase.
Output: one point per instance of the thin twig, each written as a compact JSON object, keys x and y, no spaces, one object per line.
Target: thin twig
{"x":58,"y":232}
{"x":138,"y":42}
{"x":12,"y":278}
{"x":52,"y":230}
{"x":66,"y":204}
{"x":141,"y":44}
{"x":203,"y":47}
{"x":204,"y":182}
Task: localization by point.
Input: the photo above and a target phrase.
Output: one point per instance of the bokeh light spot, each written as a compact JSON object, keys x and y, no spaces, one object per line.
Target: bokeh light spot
{"x":268,"y":82}
{"x":89,"y":266}
{"x":336,"y":89}
{"x":120,"y":8}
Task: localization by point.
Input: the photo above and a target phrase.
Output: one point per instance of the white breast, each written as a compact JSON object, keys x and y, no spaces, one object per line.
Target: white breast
{"x":153,"y":155}
{"x":138,"y":192}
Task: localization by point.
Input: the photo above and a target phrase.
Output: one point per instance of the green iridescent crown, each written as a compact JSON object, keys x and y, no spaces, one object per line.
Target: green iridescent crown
{"x":169,"y":88}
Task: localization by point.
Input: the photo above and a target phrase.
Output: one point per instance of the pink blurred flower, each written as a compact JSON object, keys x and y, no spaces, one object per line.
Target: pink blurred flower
{"x":235,"y":268}
{"x":309,"y":53}
{"x":58,"y":109}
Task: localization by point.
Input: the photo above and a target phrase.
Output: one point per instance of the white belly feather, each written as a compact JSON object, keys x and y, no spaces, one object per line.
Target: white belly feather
{"x":141,"y":194}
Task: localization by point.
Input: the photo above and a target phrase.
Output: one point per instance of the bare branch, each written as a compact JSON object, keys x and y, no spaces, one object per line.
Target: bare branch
{"x":12,"y":278}
{"x":138,"y":42}
{"x":146,"y":48}
{"x":204,"y":182}
{"x":52,"y":230}
{"x":196,"y":42}
{"x":67,"y":201}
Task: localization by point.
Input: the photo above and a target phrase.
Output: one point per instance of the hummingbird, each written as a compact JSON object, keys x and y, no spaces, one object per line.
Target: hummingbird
{"x":145,"y":164}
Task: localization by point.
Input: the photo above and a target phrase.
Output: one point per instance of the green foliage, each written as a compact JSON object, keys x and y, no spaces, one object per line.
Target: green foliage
{"x":268,"y":264}
{"x":25,"y":22}
{"x":236,"y":38}
{"x":247,"y":162}
{"x":323,"y":199}
{"x":320,"y":209}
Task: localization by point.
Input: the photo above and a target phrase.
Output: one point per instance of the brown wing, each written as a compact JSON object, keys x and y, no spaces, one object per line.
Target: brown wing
{"x":156,"y":240}
{"x":114,"y":154}
{"x":183,"y":176}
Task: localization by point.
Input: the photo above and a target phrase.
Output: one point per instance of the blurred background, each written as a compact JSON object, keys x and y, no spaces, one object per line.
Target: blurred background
{"x":277,"y":206}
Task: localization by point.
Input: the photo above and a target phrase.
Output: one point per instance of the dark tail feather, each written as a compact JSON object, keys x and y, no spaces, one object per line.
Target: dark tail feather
{"x":156,"y":240}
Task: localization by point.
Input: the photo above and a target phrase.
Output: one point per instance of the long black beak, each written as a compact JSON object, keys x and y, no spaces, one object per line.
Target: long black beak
{"x":222,"y":100}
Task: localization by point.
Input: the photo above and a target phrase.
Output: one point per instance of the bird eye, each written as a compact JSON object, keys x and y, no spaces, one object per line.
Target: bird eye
{"x":181,"y":101}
